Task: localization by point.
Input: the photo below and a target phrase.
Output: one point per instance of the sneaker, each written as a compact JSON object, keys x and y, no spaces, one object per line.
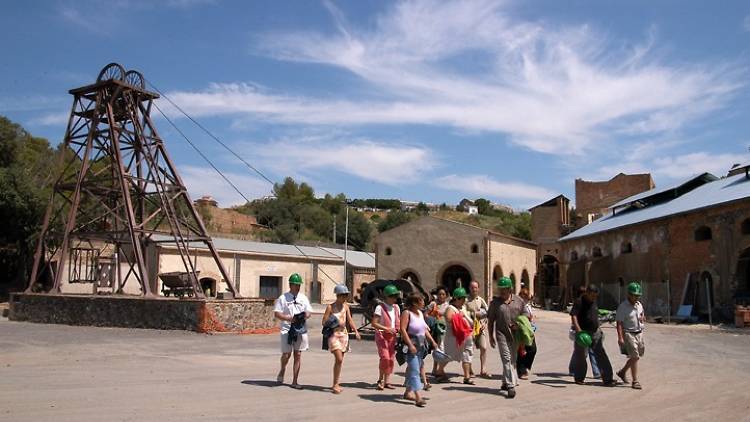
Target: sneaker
{"x":504,"y":387}
{"x":511,"y":393}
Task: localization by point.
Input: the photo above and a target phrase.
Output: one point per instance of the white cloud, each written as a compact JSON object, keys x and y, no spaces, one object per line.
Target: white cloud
{"x":486,"y":186}
{"x":670,"y":168}
{"x":51,"y":119}
{"x":369,"y":160}
{"x":470,"y":65}
{"x":202,"y":181}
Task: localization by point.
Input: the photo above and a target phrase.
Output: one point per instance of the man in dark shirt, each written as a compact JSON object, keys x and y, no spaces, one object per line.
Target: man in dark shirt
{"x":585,"y":317}
{"x":501,"y":319}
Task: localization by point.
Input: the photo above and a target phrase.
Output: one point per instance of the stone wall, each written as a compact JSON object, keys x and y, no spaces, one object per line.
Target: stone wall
{"x":236,"y":316}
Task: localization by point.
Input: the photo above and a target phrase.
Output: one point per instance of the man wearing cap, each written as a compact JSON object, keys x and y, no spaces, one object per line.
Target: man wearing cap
{"x":292,"y":309}
{"x":630,"y":320}
{"x":584,"y":317}
{"x":501,"y":319}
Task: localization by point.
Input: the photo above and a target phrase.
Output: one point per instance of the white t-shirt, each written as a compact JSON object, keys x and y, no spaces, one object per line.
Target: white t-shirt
{"x":631,"y":316}
{"x":391,"y":313}
{"x":289,"y":306}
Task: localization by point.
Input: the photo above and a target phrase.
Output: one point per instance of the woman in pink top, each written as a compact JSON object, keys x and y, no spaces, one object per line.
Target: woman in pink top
{"x":415,"y":334}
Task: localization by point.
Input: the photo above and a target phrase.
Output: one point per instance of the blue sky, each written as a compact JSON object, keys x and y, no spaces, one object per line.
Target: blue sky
{"x":418,"y":100}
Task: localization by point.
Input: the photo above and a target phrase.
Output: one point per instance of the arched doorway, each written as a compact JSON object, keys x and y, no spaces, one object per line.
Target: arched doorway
{"x":411,"y":276}
{"x":743,"y":277}
{"x":208,"y":285}
{"x":513,"y":279}
{"x":497,"y":273}
{"x":455,"y":276}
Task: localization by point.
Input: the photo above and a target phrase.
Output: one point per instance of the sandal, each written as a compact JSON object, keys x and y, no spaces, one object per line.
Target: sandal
{"x":427,"y":386}
{"x":468,"y":381}
{"x":637,"y":385}
{"x":407,"y":396}
{"x":420,"y":403}
{"x":442,"y":378}
{"x":280,"y":379}
{"x":336,"y":390}
{"x":296,"y":386}
{"x":379,"y":386}
{"x":389,"y":386}
{"x":485,"y":375}
{"x":622,"y":375}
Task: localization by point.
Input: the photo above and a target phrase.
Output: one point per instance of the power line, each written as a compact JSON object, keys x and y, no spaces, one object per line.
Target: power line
{"x":201,"y":154}
{"x":215,"y":138}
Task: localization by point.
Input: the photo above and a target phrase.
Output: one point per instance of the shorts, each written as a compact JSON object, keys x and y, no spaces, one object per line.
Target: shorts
{"x":339,"y":340}
{"x":300,"y":345}
{"x":634,"y":345}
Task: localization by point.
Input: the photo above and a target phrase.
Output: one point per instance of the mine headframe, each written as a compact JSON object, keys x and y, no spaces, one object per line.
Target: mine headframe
{"x":118,"y":192}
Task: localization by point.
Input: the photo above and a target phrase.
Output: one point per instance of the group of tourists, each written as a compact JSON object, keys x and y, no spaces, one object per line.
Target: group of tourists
{"x":451,"y":328}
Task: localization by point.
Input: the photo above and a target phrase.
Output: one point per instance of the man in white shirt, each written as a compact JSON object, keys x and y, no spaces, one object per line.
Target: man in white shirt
{"x":630,"y":320}
{"x":292,"y":309}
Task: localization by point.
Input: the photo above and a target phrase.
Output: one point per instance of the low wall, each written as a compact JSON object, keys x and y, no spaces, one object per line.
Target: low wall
{"x":207,"y":316}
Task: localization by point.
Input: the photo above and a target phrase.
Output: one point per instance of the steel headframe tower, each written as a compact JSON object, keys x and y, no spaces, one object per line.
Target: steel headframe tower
{"x":118,"y":191}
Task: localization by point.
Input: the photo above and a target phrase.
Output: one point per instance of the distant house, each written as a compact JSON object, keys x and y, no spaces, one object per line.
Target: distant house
{"x":472,"y":210}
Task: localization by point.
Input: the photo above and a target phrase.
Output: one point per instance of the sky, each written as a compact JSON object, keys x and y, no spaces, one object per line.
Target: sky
{"x":419,"y":100}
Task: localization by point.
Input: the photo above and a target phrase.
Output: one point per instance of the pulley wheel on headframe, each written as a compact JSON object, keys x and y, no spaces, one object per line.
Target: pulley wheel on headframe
{"x":135,"y":79}
{"x":112,"y":71}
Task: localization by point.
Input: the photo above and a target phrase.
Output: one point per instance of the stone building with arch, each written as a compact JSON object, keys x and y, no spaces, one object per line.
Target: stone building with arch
{"x":688,"y":243}
{"x":432,"y":251}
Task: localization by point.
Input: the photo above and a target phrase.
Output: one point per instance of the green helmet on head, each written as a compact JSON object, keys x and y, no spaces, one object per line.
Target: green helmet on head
{"x":584,"y":339}
{"x":390,"y":290}
{"x":295,"y":279}
{"x":634,"y":289}
{"x":459,"y":293}
{"x":505,"y":283}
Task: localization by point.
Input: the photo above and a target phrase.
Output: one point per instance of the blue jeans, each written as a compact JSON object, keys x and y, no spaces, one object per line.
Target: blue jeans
{"x":594,"y":366}
{"x":414,"y":364}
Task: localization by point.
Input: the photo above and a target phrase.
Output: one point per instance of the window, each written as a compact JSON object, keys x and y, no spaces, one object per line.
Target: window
{"x":746,"y":226}
{"x":388,"y":251}
{"x":574,"y":256}
{"x":270,"y":287}
{"x":474,"y":248}
{"x":626,"y":247}
{"x":702,"y":233}
{"x":597,"y":252}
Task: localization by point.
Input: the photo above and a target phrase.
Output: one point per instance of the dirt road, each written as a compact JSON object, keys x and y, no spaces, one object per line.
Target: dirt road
{"x":63,"y":373}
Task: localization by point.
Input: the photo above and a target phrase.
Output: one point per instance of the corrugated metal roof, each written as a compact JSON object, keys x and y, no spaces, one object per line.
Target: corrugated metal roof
{"x":712,"y":193}
{"x":354,"y":258}
{"x":657,"y":191}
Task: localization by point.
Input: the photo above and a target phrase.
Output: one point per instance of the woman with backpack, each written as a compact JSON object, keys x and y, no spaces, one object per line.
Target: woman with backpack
{"x":386,"y":321}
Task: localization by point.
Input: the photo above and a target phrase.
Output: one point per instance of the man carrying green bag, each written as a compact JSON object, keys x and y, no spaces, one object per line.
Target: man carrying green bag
{"x":502,"y":328}
{"x":584,"y":317}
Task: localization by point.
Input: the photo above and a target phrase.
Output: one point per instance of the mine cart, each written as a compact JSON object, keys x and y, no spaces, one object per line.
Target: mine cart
{"x":177,"y":283}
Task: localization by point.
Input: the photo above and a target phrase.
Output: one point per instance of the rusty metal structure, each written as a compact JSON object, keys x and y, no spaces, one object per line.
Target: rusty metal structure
{"x":118,"y":191}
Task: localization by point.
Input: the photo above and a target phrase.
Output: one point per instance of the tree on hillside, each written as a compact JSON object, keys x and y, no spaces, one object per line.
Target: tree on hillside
{"x":395,"y":219}
{"x":483,"y":206}
{"x":27,"y":166}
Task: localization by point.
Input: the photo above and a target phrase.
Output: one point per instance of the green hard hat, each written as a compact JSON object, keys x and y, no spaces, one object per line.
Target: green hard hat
{"x":634,"y":288}
{"x":505,"y":283}
{"x":390,"y":290}
{"x":295,"y":279}
{"x":459,"y":293}
{"x":584,"y":339}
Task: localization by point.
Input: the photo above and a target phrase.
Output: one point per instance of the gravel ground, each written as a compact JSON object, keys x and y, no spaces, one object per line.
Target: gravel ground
{"x":63,"y":373}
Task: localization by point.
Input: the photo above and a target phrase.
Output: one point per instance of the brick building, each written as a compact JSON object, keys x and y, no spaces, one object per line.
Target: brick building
{"x":549,"y":222}
{"x":432,"y":251}
{"x":688,"y":243}
{"x":594,"y":198}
